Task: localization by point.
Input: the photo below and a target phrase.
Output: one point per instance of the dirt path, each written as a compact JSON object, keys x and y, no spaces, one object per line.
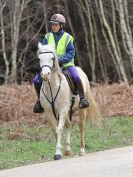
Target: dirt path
{"x":111,"y":163}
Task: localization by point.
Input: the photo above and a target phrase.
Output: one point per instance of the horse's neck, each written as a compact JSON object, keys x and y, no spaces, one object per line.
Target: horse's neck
{"x":54,"y":82}
{"x":55,"y":79}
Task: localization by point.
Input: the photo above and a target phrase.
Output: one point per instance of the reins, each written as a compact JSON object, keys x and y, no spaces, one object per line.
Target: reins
{"x":52,"y":102}
{"x":53,"y":99}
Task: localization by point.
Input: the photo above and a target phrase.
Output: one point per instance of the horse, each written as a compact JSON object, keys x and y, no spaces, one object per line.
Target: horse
{"x":56,"y":99}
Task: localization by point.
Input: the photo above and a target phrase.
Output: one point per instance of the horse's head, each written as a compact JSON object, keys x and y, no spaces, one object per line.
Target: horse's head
{"x":47,"y":56}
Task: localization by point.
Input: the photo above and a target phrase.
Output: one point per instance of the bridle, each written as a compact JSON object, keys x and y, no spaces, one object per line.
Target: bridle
{"x":53,"y":98}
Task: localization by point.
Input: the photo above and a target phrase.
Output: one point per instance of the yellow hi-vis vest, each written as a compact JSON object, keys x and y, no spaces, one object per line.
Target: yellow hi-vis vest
{"x":61,"y":46}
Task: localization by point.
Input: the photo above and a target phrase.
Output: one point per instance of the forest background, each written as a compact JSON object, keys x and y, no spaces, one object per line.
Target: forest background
{"x":103,"y":32}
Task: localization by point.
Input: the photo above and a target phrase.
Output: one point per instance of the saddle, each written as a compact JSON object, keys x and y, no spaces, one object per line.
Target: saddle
{"x":70,"y":81}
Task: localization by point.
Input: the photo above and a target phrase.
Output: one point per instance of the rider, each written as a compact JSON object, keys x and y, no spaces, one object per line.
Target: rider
{"x":65,"y":51}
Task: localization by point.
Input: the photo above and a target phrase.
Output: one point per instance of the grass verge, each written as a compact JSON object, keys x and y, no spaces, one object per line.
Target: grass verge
{"x":26,"y":144}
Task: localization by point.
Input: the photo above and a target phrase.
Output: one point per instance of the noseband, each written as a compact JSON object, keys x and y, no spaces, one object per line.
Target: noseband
{"x":51,"y":68}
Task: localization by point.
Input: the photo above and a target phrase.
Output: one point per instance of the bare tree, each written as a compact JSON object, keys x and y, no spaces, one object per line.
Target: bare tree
{"x":18,"y":8}
{"x":3,"y":40}
{"x":118,"y":58}
{"x":125,"y":30}
{"x":45,"y":15}
{"x":103,"y":33}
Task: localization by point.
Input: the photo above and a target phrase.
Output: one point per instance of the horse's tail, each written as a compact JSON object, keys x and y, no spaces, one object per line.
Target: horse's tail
{"x":93,"y":112}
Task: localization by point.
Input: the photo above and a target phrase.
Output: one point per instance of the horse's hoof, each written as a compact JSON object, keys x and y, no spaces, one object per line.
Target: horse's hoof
{"x":57,"y":157}
{"x":68,"y":153}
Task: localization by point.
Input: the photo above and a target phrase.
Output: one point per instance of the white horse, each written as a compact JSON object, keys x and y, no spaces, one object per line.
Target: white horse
{"x":56,"y":99}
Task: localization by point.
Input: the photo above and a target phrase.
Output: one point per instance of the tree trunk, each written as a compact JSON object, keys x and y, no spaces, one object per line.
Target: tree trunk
{"x":125,"y":29}
{"x":6,"y":77}
{"x":112,"y":42}
{"x":17,"y":17}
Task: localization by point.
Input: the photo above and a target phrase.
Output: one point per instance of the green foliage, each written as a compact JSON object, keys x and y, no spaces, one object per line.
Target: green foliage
{"x":37,"y":144}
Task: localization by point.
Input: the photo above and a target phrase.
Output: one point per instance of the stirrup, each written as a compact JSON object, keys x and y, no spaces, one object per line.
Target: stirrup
{"x":83,"y":103}
{"x":38,"y":108}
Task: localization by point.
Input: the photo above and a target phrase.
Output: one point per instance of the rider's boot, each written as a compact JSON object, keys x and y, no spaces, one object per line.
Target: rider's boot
{"x":83,"y":101}
{"x":38,"y":108}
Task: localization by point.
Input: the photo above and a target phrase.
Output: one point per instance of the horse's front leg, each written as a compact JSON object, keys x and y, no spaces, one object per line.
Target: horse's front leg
{"x":53,"y":124}
{"x":59,"y":130}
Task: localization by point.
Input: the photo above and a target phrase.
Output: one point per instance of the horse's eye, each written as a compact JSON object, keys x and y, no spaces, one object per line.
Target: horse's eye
{"x":52,"y":58}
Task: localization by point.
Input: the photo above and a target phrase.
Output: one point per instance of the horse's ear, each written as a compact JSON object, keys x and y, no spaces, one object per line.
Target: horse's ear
{"x":39,"y":45}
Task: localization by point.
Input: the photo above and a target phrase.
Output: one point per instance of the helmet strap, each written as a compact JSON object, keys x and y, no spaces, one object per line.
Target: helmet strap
{"x":61,"y":26}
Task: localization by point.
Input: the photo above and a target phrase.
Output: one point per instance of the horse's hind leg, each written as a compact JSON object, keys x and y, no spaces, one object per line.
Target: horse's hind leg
{"x":82,"y":115}
{"x":68,"y":138}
